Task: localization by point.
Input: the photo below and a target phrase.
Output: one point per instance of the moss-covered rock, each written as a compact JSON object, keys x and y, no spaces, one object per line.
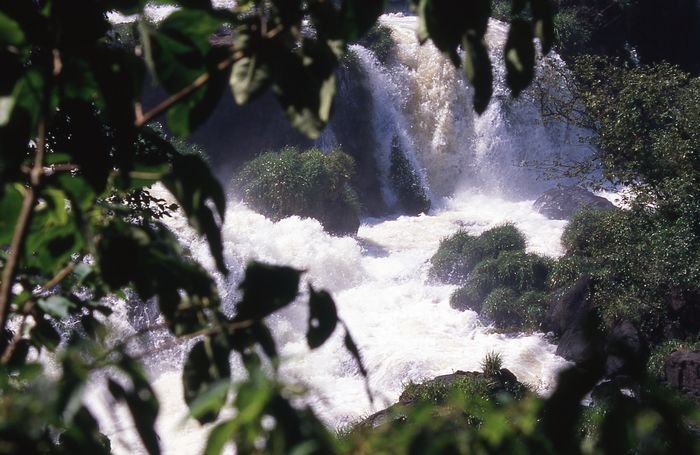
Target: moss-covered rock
{"x":458,"y":254}
{"x":455,"y":257}
{"x":308,"y":184}
{"x":410,"y":194}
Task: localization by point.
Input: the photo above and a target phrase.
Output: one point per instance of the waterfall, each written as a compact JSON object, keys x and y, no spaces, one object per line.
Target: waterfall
{"x":421,"y":98}
{"x":401,"y":320}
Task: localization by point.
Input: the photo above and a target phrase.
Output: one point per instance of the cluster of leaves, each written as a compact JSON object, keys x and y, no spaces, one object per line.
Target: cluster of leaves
{"x":459,"y":253}
{"x":307,"y":184}
{"x":638,"y":267}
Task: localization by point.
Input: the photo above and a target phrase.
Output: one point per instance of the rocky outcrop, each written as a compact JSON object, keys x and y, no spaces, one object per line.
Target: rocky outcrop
{"x":621,"y":351}
{"x":563,"y":202}
{"x":682,"y":372}
{"x":440,"y":388}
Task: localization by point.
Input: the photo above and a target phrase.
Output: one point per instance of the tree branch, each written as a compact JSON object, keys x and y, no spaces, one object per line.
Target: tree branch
{"x":22,"y":226}
{"x":183,"y":94}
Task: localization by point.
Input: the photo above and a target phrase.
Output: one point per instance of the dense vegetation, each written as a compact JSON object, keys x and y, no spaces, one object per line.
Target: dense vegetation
{"x":307,"y":184}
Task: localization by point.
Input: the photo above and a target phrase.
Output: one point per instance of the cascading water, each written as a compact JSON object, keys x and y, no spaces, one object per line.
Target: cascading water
{"x":401,"y":320}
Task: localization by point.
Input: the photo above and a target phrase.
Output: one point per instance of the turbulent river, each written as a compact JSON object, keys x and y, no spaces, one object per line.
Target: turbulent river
{"x":473,"y":168}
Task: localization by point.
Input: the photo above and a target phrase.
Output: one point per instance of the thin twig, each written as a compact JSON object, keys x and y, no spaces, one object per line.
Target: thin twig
{"x":10,"y":349}
{"x":187,"y":91}
{"x":22,"y":226}
{"x":233,"y":326}
{"x":60,"y":276}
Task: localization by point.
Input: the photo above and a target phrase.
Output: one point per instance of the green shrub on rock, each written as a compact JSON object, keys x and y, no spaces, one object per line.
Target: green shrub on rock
{"x":308,"y":184}
{"x":458,"y":254}
{"x":522,"y":271}
{"x":511,"y":311}
{"x":501,"y":307}
{"x":534,"y":306}
{"x":502,"y":238}
{"x":465,"y":298}
{"x":453,"y":259}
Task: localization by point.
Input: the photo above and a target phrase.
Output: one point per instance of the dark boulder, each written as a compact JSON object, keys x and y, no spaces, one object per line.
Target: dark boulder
{"x":438,"y":391}
{"x":683,"y":314}
{"x":568,"y":307}
{"x":682,"y":372}
{"x":571,"y":317}
{"x":626,"y":351}
{"x":563,"y":202}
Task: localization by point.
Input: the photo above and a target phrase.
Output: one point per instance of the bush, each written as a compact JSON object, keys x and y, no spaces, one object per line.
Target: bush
{"x":501,"y":238}
{"x":307,"y":184}
{"x":501,"y":307}
{"x":452,"y":262}
{"x":510,"y":311}
{"x":516,"y":270}
{"x":465,"y":298}
{"x":592,"y":232}
{"x":437,"y":391}
{"x":522,"y":271}
{"x":458,"y":254}
{"x":657,"y":359}
{"x":533,"y":304}
{"x":566,"y":271}
{"x":491,"y":364}
{"x":406,"y":184}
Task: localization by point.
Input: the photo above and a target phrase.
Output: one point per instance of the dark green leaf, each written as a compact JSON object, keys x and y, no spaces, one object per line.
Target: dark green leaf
{"x":44,"y":334}
{"x":323,"y":318}
{"x":359,"y":16}
{"x":355,"y":352}
{"x":11,"y":33}
{"x":193,"y":185}
{"x":83,"y":435}
{"x":56,"y":306}
{"x":250,"y":76}
{"x":477,"y":68}
{"x":206,"y":366}
{"x":210,"y":401}
{"x":305,"y":85}
{"x":262,"y":335}
{"x":219,"y":436}
{"x":543,"y":17}
{"x":10,"y":206}
{"x":266,"y":289}
{"x":143,"y":405}
{"x":520,"y":56}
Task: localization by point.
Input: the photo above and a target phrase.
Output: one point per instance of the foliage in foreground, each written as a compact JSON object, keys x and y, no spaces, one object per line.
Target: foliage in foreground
{"x":308,"y":184}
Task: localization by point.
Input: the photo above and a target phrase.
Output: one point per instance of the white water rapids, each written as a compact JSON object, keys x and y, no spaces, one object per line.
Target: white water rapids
{"x":402,"y":322}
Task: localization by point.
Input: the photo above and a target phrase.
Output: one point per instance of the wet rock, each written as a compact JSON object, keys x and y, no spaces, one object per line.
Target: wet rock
{"x":562,"y":202}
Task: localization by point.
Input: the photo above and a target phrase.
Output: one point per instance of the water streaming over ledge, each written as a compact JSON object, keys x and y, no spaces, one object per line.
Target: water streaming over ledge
{"x":401,"y":320}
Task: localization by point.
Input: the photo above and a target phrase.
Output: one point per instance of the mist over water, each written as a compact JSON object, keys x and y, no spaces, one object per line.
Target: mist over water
{"x":406,"y":331}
